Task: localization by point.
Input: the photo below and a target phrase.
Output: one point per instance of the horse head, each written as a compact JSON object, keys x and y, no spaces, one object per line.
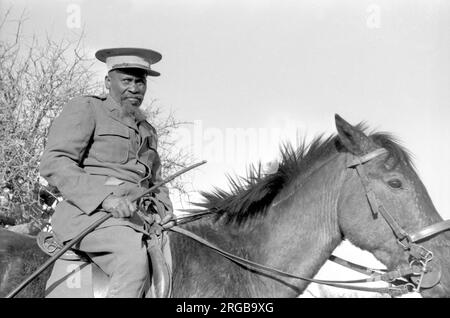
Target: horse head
{"x":383,"y":203}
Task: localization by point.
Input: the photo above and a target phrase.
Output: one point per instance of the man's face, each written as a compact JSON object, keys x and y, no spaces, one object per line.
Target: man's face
{"x":127,"y":86}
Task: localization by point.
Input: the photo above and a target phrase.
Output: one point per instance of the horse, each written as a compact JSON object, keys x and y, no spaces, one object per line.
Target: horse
{"x":349,"y":186}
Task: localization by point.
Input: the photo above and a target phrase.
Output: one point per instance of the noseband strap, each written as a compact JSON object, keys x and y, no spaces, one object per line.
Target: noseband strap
{"x":430,"y":230}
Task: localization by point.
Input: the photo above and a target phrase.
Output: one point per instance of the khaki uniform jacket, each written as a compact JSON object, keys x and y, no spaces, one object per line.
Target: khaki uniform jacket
{"x":92,"y":152}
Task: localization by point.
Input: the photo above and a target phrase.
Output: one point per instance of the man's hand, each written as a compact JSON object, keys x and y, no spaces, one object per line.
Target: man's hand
{"x":119,"y":207}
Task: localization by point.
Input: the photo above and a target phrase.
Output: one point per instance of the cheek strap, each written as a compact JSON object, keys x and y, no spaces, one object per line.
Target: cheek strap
{"x":375,"y":206}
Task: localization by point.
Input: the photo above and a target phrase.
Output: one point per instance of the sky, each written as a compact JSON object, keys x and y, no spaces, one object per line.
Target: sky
{"x":250,"y":74}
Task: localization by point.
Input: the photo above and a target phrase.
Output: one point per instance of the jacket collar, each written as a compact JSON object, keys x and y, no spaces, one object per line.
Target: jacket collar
{"x":112,"y":105}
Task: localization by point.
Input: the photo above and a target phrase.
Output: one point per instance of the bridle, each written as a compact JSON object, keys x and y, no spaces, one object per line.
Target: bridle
{"x":422,"y":272}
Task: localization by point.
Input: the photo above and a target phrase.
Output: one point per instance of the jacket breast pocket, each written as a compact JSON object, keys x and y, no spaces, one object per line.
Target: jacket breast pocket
{"x":112,"y":144}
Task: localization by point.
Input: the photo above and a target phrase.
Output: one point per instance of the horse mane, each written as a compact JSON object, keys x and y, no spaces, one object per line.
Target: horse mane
{"x":251,"y":196}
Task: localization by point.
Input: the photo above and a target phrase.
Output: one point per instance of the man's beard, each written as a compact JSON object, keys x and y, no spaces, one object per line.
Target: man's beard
{"x":128,"y":110}
{"x":133,"y":112}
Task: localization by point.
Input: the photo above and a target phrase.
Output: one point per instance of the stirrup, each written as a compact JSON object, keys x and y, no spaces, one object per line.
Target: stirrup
{"x":48,"y":243}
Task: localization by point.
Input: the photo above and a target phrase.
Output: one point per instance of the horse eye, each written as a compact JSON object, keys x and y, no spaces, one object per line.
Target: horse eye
{"x":395,"y":183}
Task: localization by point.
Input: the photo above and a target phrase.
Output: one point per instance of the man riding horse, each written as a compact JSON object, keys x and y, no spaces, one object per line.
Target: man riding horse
{"x":100,"y":151}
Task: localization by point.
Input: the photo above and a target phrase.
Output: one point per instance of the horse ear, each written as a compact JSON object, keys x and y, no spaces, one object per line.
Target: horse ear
{"x":353,"y":139}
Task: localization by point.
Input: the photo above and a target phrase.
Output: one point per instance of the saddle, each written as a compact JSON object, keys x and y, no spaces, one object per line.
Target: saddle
{"x":159,"y":284}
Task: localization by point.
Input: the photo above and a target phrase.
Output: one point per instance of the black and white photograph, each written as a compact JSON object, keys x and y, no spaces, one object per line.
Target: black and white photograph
{"x":234,"y":152}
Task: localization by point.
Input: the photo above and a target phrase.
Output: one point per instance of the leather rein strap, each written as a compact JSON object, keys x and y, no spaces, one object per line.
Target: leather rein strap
{"x":394,"y":291}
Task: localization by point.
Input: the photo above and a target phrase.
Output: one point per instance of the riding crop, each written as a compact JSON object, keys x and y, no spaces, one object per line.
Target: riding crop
{"x":93,"y":226}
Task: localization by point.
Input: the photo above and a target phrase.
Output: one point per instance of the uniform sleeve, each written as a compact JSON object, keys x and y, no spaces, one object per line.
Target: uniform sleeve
{"x":61,"y":163}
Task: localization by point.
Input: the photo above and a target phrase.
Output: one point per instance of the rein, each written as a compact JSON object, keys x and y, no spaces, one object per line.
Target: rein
{"x":394,"y":291}
{"x":421,"y":272}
